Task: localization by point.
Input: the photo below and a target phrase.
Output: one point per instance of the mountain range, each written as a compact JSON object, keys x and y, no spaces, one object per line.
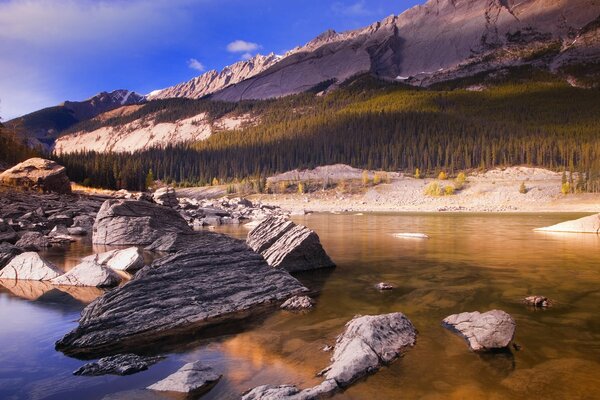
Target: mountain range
{"x":440,"y":41}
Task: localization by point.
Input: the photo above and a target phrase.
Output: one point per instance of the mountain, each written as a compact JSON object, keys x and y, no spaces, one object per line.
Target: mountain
{"x":440,"y":40}
{"x":42,"y":127}
{"x":213,"y":81}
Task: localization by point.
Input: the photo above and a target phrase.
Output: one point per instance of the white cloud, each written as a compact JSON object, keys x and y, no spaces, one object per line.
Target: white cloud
{"x":358,"y":8}
{"x":246,"y":56}
{"x":195,"y":64}
{"x":241,"y":46}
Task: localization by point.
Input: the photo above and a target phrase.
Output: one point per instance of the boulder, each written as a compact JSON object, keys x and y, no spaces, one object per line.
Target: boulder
{"x":130,"y":259}
{"x":215,"y":278}
{"x":483,"y":331}
{"x":367,"y":343}
{"x":38,"y":174}
{"x":83,"y":221}
{"x":7,"y":253}
{"x":33,"y":241}
{"x":191,"y":378}
{"x":132,"y":222}
{"x":88,"y":273}
{"x":298,"y":303}
{"x":29,"y":266}
{"x":589,"y":224}
{"x":7,"y":233}
{"x":165,"y":197}
{"x":77,"y":231}
{"x":120,"y":364}
{"x":286,"y":245}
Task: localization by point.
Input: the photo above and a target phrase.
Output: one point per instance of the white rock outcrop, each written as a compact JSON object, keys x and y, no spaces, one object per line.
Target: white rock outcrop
{"x":130,"y":259}
{"x":29,"y":266}
{"x":88,"y":273}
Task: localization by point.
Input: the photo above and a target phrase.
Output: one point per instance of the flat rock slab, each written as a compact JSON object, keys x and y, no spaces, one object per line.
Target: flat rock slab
{"x":491,"y":330}
{"x":286,"y":245}
{"x":88,"y":273}
{"x":215,"y":279}
{"x":191,"y":378}
{"x":120,"y":364}
{"x":133,"y":222}
{"x":589,"y":224}
{"x":29,"y":266}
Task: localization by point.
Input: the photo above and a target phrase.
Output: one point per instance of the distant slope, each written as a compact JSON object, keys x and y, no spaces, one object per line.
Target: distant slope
{"x":43,"y":126}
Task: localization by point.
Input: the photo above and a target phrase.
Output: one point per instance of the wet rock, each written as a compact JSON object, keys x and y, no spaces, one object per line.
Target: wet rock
{"x":131,"y":222}
{"x":130,"y":259}
{"x":120,"y":364}
{"x":165,"y":197}
{"x":484,"y":331}
{"x":537,"y":301}
{"x":215,"y":279}
{"x":589,"y":224}
{"x":384,"y":286}
{"x":77,"y":231}
{"x":38,"y":174}
{"x":83,"y":221}
{"x":286,"y":245}
{"x":291,"y":392}
{"x":7,"y":253}
{"x":7,"y":233}
{"x":298,"y":303}
{"x":29,"y":266}
{"x":33,"y":241}
{"x":191,"y":378}
{"x":88,"y":273}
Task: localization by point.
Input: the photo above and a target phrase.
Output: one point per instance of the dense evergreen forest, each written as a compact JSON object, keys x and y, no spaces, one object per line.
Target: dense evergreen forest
{"x":527,"y":118}
{"x":12,"y":149}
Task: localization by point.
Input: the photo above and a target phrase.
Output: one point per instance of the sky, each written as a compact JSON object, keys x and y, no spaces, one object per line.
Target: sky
{"x":56,"y":50}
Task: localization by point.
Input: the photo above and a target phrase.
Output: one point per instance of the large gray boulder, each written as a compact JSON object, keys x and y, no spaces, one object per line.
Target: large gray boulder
{"x":367,"y":343}
{"x":589,"y":224}
{"x":191,"y":378}
{"x":483,"y":331}
{"x":7,"y":253}
{"x":88,"y":273}
{"x":120,"y":364}
{"x":38,"y":174}
{"x":215,"y":279}
{"x":132,"y":222}
{"x":286,"y":245}
{"x":29,"y":266}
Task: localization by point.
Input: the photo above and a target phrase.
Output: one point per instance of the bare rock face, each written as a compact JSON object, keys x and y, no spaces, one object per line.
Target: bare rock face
{"x":33,"y":241}
{"x":29,"y":266}
{"x":88,"y":273}
{"x":191,"y":378}
{"x":165,"y":197}
{"x":214,"y":279}
{"x":38,"y":174}
{"x":131,"y":222}
{"x":484,"y":331}
{"x":289,"y":246}
{"x":589,"y":224}
{"x":120,"y":364}
{"x":298,"y":303}
{"x":130,"y":259}
{"x":367,"y":343}
{"x":7,"y":253}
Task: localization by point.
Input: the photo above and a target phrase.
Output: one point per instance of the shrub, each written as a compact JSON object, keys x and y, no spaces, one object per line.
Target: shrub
{"x":565,"y":188}
{"x":449,"y":190}
{"x":377,"y":179}
{"x":460,"y":180}
{"x":417,"y":173}
{"x":365,"y":178}
{"x":522,"y":188}
{"x":442,"y":176}
{"x":433,"y":189}
{"x":300,"y":188}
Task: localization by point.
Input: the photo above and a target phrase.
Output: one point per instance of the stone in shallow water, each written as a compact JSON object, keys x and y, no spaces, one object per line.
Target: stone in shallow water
{"x":491,"y":330}
{"x":88,"y":273}
{"x":191,"y":378}
{"x":298,"y":303}
{"x":537,"y":301}
{"x":132,"y":222}
{"x":384,"y":286}
{"x":215,"y":279}
{"x":29,"y":266}
{"x":120,"y":364}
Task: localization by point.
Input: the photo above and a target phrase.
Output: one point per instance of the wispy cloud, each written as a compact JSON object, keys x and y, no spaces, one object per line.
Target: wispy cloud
{"x":355,"y":9}
{"x":242,"y":46}
{"x":246,"y":56}
{"x":195,"y":64}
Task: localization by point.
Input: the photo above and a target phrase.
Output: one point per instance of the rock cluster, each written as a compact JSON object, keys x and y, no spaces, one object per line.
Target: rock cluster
{"x":483,"y":331}
{"x":214,"y":278}
{"x":37,"y":174}
{"x":286,"y":245}
{"x":191,"y":378}
{"x":120,"y":364}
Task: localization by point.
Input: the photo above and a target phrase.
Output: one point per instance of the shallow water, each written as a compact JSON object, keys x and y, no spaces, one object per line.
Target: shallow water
{"x":471,"y":262}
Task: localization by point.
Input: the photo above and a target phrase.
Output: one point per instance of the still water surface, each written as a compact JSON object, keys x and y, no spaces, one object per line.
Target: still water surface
{"x":471,"y":262}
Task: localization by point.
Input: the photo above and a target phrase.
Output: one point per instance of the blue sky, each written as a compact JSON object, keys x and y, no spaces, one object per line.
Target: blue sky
{"x":56,"y":50}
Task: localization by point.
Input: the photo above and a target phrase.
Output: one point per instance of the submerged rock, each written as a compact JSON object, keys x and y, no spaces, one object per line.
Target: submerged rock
{"x":384,"y":286}
{"x":7,"y":253}
{"x":484,"y":331}
{"x":29,"y":266}
{"x":216,"y":278}
{"x":298,"y":303}
{"x":132,"y":222}
{"x":537,"y":301}
{"x":367,"y":343}
{"x":88,"y":273}
{"x":129,"y":259}
{"x":191,"y":378}
{"x":286,"y":245}
{"x":589,"y":224}
{"x":120,"y":364}
{"x":39,"y":174}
